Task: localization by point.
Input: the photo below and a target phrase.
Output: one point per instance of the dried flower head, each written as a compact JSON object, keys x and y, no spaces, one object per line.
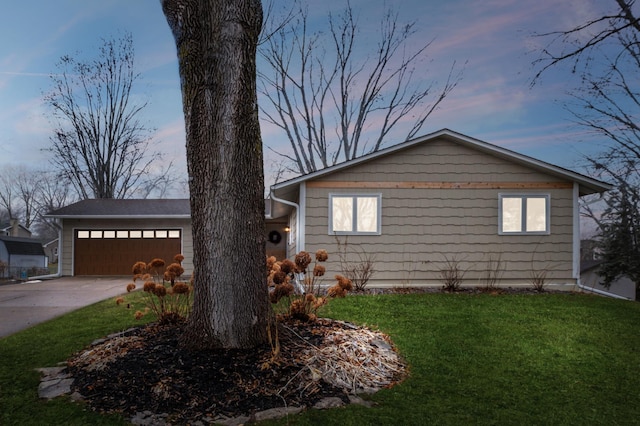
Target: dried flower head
{"x":119,"y":300}
{"x":138,"y":315}
{"x":271,"y":260}
{"x":160,"y":290}
{"x":175,"y":269}
{"x":344,"y":283}
{"x":149,"y":286}
{"x":321,"y":255}
{"x":303,"y":259}
{"x":279,"y":277}
{"x":156,"y":263}
{"x":130,"y":287}
{"x":178,"y":258}
{"x":146,"y":277}
{"x":181,"y":288}
{"x":280,"y":291}
{"x":336,"y":291}
{"x":137,"y":277}
{"x":287,"y":266}
{"x":320,"y":301}
{"x":310,"y":298}
{"x":318,"y":270}
{"x":139,"y":268}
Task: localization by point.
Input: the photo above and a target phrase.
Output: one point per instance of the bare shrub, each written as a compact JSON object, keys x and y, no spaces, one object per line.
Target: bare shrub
{"x":359,"y":271}
{"x":494,"y":270}
{"x":452,"y":274}
{"x":538,"y":279}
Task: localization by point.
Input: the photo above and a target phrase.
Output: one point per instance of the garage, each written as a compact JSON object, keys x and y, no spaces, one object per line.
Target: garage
{"x":114,"y":251}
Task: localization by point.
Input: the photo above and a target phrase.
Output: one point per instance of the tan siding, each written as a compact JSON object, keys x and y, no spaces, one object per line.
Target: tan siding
{"x":423,"y":228}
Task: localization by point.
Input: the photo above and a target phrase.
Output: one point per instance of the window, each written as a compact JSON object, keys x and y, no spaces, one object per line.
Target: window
{"x":523,"y":214}
{"x":354,"y":214}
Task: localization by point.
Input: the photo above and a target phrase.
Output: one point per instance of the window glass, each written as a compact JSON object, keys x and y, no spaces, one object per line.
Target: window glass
{"x":122,"y":234}
{"x":161,"y":234}
{"x":135,"y":234}
{"x":367,"y":218}
{"x":96,"y":234}
{"x":83,"y":234}
{"x":148,"y":234}
{"x":511,"y":214}
{"x":174,"y":234}
{"x":342,"y":214}
{"x":109,"y":234}
{"x":536,"y":214}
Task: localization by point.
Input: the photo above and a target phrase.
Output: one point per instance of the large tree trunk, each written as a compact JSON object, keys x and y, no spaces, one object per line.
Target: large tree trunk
{"x":216,"y":42}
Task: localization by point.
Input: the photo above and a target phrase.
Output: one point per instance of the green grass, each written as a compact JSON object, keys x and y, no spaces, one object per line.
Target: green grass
{"x":474,"y":359}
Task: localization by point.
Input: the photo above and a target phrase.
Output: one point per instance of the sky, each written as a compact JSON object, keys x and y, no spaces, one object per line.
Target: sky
{"x":493,"y":102}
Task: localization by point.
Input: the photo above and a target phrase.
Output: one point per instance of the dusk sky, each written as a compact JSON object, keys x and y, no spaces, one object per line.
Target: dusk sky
{"x":493,"y":102}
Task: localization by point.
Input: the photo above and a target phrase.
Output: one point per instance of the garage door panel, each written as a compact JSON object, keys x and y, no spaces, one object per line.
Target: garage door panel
{"x":116,"y":256}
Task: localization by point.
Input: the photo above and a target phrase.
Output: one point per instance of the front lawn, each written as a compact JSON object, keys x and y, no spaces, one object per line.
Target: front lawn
{"x":556,"y":359}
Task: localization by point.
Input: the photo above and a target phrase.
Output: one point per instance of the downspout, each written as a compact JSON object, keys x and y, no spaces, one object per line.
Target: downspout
{"x":602,"y":292}
{"x":59,"y":273}
{"x":273,"y":197}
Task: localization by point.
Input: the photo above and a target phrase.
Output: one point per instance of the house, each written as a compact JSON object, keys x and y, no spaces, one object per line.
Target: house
{"x":438,"y":204}
{"x":12,"y":228}
{"x":21,"y":257}
{"x":51,"y":249}
{"x":441,"y":201}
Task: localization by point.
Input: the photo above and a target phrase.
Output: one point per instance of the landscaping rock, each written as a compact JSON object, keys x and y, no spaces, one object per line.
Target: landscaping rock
{"x":331,"y":402}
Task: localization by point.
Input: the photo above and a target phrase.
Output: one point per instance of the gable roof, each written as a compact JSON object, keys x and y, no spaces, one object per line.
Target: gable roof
{"x":587,"y":185}
{"x":22,"y":246}
{"x":123,"y":209}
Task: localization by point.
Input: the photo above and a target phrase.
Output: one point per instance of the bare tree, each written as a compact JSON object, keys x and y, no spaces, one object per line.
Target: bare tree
{"x":604,"y":53}
{"x":100,"y":145}
{"x":19,"y":192}
{"x":216,"y":42}
{"x":325,"y":96}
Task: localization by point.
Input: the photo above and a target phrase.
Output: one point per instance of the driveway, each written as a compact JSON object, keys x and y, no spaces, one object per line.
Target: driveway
{"x":27,"y":304}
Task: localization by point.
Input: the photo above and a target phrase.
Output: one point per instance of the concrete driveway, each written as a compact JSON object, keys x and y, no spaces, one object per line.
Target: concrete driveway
{"x":27,"y":304}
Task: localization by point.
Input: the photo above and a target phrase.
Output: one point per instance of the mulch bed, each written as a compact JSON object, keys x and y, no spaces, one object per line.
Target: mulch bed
{"x":145,"y":369}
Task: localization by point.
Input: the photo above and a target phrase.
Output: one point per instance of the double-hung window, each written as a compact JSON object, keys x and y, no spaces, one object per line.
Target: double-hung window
{"x":523,"y":214}
{"x":354,"y":214}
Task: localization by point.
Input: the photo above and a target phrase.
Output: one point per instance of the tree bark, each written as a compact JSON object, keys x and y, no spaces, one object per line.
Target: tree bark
{"x":216,"y":42}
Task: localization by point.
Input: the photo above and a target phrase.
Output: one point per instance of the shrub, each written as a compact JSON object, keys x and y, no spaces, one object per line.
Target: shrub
{"x":284,"y":277}
{"x":359,"y":271}
{"x":452,"y":274}
{"x":170,"y":304}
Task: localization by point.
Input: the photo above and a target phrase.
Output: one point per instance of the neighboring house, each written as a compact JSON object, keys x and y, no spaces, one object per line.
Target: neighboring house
{"x":107,"y":236}
{"x":51,"y":250}
{"x":21,"y":257}
{"x":14,"y":229}
{"x":590,"y":262}
{"x":414,"y":209}
{"x":440,"y":202}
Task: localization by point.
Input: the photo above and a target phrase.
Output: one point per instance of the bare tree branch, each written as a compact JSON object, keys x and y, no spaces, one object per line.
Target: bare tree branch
{"x":334,"y":104}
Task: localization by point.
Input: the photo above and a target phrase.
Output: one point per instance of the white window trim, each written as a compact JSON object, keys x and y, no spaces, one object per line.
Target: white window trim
{"x":355,"y":207}
{"x":525,"y":196}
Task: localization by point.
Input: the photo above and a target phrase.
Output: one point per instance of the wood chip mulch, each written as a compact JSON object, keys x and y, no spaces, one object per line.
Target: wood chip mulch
{"x":145,"y":369}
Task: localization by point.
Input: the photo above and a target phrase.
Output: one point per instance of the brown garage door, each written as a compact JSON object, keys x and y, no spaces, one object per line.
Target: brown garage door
{"x":113,"y":252}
